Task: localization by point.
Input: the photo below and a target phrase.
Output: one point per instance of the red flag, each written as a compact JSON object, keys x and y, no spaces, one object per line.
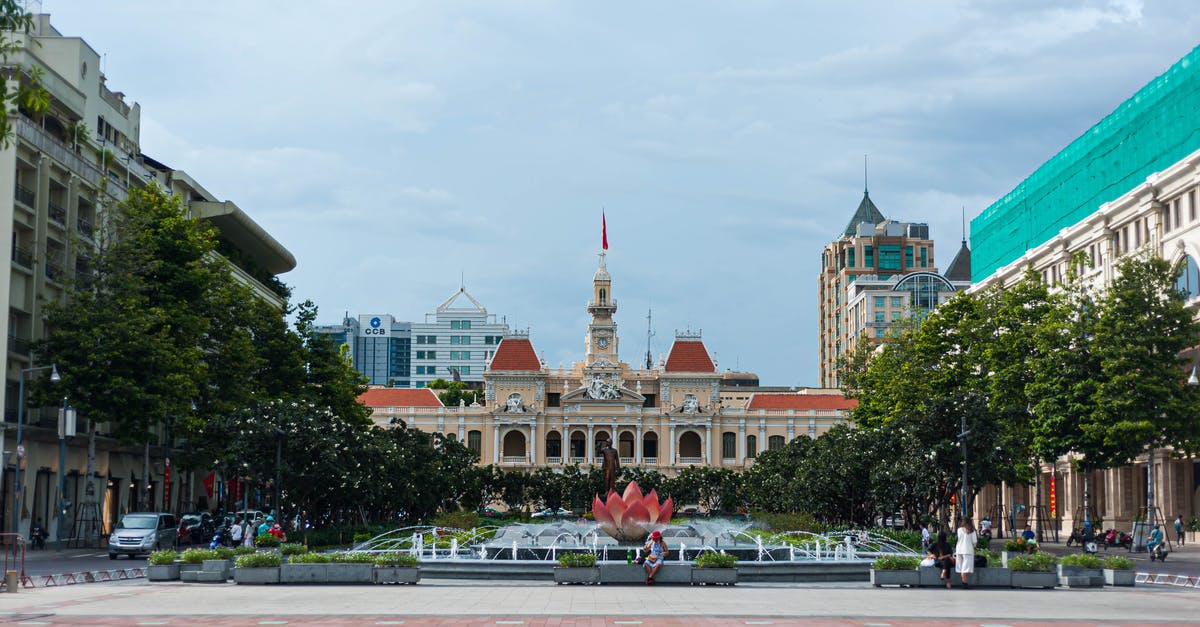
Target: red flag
{"x":603,"y":230}
{"x":208,"y":482}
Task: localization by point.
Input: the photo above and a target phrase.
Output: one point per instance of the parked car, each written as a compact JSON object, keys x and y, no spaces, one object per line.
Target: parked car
{"x":140,"y":533}
{"x":895,"y":521}
{"x":551,"y":513}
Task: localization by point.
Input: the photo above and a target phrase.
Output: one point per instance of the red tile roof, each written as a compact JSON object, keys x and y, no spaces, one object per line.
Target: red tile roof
{"x":399,"y":397}
{"x":800,"y":401}
{"x":689,"y":356}
{"x":515,"y":354}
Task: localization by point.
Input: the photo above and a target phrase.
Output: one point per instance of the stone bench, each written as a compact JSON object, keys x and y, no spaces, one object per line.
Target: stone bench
{"x":671,"y":572}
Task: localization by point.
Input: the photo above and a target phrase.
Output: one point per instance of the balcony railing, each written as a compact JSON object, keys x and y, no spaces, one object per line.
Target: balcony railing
{"x":26,"y":196}
{"x":578,"y":460}
{"x":22,"y":257}
{"x":513,"y":459}
{"x":650,"y":461}
{"x":85,"y":227}
{"x":58,"y":213}
{"x":626,"y":461}
{"x":54,"y":272}
{"x":18,"y":345}
{"x":553,"y":460}
{"x":691,"y":460}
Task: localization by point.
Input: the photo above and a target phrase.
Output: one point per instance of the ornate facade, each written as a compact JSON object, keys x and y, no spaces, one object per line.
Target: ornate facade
{"x":682,"y":412}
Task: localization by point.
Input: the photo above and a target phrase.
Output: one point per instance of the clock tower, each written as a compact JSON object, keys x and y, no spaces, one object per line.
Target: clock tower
{"x":602,"y":331}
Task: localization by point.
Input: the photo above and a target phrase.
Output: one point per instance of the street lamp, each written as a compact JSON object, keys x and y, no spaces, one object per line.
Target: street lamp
{"x":66,"y":429}
{"x":962,"y":438}
{"x":54,"y":378}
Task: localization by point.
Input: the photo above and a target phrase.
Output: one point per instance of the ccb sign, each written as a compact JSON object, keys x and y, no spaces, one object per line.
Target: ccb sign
{"x":375,"y":326}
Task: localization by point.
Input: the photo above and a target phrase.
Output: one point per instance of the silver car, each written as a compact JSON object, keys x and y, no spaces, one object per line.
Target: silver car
{"x":140,"y":533}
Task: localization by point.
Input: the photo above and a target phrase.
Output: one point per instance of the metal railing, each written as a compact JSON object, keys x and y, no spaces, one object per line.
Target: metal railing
{"x":18,"y":345}
{"x":23,"y":257}
{"x":58,"y":213}
{"x":54,"y":271}
{"x":26,"y":196}
{"x":84,"y":226}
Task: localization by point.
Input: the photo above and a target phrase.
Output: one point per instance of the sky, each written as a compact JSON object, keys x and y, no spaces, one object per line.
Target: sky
{"x":399,"y":149}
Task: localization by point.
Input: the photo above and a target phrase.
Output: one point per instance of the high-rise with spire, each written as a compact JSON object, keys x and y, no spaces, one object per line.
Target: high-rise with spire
{"x":876,"y":272}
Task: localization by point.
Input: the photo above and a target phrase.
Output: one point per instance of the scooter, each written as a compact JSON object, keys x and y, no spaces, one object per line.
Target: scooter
{"x":1159,"y":552}
{"x":37,"y":537}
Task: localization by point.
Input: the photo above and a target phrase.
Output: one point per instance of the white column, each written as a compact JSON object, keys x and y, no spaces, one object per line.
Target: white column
{"x":762,"y":434}
{"x":462,"y":430}
{"x":637,"y":445}
{"x":742,"y":443}
{"x":708,"y":445}
{"x":791,"y":429}
{"x":672,"y":458}
{"x":496,"y":444}
{"x":533,"y":444}
{"x":591,"y":443}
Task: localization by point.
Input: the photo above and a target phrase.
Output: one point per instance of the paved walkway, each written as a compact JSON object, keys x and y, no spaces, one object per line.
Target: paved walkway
{"x":442,"y":602}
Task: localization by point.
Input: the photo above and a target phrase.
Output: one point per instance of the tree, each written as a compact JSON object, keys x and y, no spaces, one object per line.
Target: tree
{"x":129,"y":341}
{"x":28,"y":94}
{"x":452,"y":393}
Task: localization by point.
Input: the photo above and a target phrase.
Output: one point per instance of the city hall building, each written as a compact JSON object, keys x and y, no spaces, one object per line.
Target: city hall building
{"x":1127,"y":187}
{"x":678,"y":413}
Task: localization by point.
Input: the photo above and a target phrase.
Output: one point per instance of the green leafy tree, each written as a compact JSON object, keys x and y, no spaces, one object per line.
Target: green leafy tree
{"x":26,"y":93}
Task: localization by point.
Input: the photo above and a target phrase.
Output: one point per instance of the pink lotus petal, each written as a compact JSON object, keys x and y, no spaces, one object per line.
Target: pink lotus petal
{"x":635,"y":517}
{"x":665,"y":511}
{"x":651,"y":503}
{"x":600,"y":512}
{"x":616,"y":508}
{"x":632,"y":492}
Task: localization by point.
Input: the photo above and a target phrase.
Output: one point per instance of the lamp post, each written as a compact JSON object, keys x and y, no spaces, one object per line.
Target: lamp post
{"x":66,"y":429}
{"x":54,"y":378}
{"x":963,"y":509}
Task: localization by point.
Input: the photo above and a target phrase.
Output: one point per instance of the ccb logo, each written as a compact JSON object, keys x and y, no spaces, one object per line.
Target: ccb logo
{"x":375,"y":322}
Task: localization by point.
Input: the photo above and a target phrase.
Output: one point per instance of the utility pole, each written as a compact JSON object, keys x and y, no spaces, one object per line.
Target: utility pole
{"x":649,"y":334}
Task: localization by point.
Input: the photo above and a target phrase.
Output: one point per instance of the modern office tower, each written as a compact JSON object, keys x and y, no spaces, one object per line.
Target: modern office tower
{"x":378,"y":345}
{"x":882,"y":252}
{"x":60,"y":173}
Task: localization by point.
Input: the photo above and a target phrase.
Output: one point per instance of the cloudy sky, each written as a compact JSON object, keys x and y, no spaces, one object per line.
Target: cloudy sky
{"x":397,"y":146}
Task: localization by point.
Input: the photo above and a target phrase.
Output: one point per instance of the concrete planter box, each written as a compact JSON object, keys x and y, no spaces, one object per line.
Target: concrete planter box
{"x":982,"y":577}
{"x":714,"y":576}
{"x":1034,"y":579}
{"x":350,"y":573}
{"x":256,"y":576}
{"x":1080,"y":577}
{"x":222,"y":566}
{"x":1119,"y":577}
{"x":170,"y":572}
{"x":396,"y":574}
{"x":910,"y":578}
{"x":303,"y":573}
{"x":581,"y":575}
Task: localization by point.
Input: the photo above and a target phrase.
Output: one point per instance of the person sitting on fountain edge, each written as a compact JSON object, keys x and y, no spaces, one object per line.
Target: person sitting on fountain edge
{"x":656,"y":552}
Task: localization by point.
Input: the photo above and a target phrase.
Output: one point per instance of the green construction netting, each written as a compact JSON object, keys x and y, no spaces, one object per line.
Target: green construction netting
{"x":1157,"y":127}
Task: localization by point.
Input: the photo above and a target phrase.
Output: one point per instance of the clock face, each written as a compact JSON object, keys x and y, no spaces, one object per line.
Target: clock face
{"x":602,"y":342}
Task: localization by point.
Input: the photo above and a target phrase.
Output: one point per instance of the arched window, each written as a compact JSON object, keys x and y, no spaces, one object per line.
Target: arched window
{"x":690,"y":446}
{"x":625,"y":444}
{"x":578,"y":446}
{"x":453,"y":437}
{"x":514,"y":444}
{"x":1188,"y":281}
{"x":602,"y":295}
{"x":751,"y":446}
{"x":475,"y":442}
{"x":650,"y":446}
{"x":554,"y":444}
{"x":775,"y":442}
{"x":729,"y":445}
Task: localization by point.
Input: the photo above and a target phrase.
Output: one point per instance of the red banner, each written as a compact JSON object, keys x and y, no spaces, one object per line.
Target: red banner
{"x":1053,"y":498}
{"x":167,"y":484}
{"x":209,"y":482}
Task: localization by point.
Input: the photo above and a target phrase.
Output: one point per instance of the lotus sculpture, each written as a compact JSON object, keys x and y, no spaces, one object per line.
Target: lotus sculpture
{"x":629,"y":517}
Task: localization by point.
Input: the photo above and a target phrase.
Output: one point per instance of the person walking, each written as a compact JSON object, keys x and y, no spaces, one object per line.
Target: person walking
{"x":925,"y":536}
{"x":1179,"y":529}
{"x":964,"y":550}
{"x":235,"y":532}
{"x":248,"y":532}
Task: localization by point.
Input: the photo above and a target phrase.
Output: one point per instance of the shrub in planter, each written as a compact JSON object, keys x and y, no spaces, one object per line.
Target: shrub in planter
{"x":1081,"y":560}
{"x":197,"y":556}
{"x":162,"y":558}
{"x":1037,"y":562}
{"x":1117,"y":562}
{"x":225,"y":553}
{"x":1019,"y":545}
{"x":292,"y":548}
{"x":352,"y":557}
{"x":713,"y":559}
{"x":265,"y":559}
{"x":242,"y":550}
{"x":396,"y":559}
{"x":577,"y":560}
{"x":896,"y":562}
{"x":310,"y":558}
{"x":266,"y":540}
{"x":1118,"y":571}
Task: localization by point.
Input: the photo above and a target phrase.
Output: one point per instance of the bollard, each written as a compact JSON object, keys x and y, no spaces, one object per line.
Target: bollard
{"x":10,"y":580}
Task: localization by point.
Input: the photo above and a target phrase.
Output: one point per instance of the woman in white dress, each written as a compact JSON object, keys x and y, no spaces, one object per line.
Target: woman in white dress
{"x":964,"y":551}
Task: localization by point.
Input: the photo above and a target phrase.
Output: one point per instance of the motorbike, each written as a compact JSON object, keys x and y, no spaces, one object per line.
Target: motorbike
{"x":1159,"y":552}
{"x":37,"y":537}
{"x":1114,"y":538}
